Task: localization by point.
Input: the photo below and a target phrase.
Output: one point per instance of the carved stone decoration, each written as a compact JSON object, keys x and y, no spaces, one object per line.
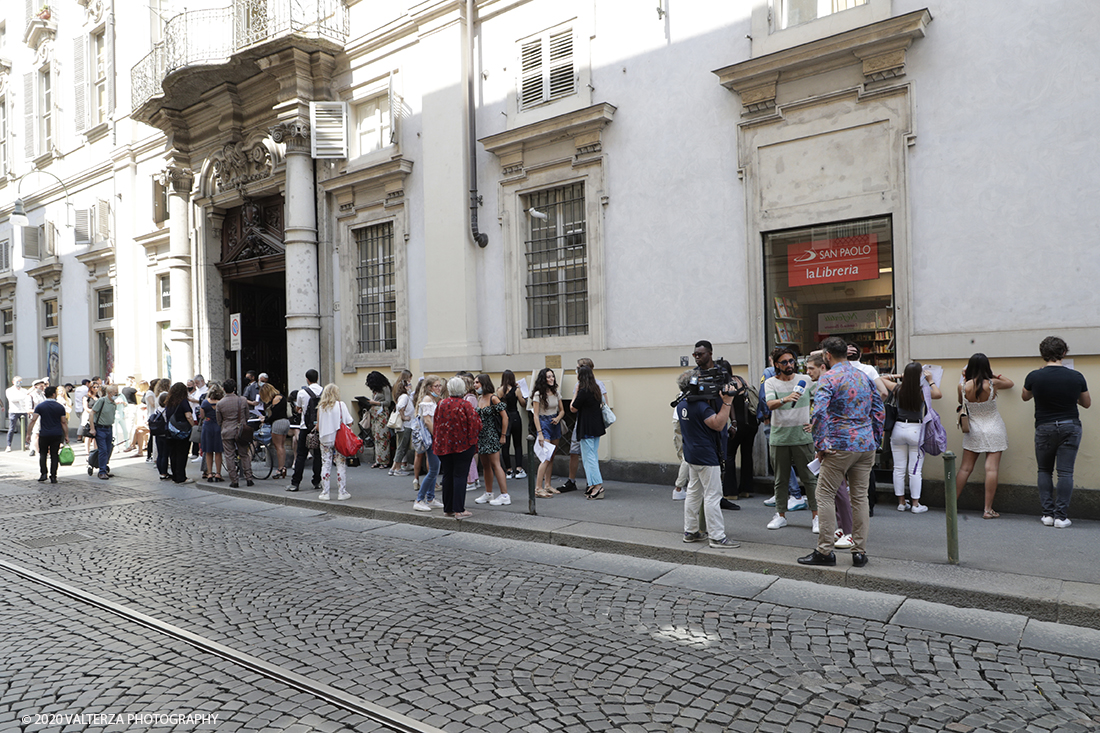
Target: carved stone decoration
{"x":177,"y":178}
{"x":294,"y":133}
{"x":93,"y":10}
{"x":252,"y":237}
{"x":238,"y":164}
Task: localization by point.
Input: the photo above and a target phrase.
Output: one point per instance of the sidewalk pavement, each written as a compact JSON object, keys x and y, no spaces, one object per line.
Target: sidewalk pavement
{"x":1012,"y":565}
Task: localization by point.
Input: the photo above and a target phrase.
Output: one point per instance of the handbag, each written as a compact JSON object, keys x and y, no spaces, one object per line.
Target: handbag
{"x":66,"y":456}
{"x":608,"y":416}
{"x":964,"y":417}
{"x":86,"y":431}
{"x":196,"y":433}
{"x":313,"y":440}
{"x":179,"y":431}
{"x":347,"y":443}
{"x":246,"y":432}
{"x":891,"y":408}
{"x":395,"y":422}
{"x":933,"y":438}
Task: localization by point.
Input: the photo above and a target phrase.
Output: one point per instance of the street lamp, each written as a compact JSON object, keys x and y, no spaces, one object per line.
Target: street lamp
{"x":18,"y":216}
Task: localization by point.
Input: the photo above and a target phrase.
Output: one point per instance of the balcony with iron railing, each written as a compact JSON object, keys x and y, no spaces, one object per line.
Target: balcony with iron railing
{"x":204,"y":48}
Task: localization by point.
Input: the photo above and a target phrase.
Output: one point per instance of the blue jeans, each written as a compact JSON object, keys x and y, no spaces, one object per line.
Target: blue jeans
{"x":16,"y":421}
{"x":104,"y":443}
{"x":427,"y":485}
{"x":590,"y":456}
{"x":1056,"y":444}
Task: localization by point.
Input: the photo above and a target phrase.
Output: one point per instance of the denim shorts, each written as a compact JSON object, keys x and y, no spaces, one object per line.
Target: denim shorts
{"x":550,"y":429}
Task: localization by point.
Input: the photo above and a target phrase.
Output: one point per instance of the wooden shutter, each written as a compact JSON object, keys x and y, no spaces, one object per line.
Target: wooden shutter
{"x":109,"y":54}
{"x":531,"y":87}
{"x":83,"y":229}
{"x":80,"y":82}
{"x":51,"y":238}
{"x":562,"y":82}
{"x":29,"y":120}
{"x":5,"y":255}
{"x":30,"y":243}
{"x":328,"y":129}
{"x":102,"y":221}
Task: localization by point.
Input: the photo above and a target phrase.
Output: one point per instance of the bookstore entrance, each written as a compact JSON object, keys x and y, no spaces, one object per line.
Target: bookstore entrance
{"x":832,"y":280}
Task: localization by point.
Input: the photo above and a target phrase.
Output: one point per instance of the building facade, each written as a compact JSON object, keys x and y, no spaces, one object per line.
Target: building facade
{"x":912,"y":177}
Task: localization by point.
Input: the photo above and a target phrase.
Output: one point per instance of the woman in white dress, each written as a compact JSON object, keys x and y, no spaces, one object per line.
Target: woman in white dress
{"x":978,"y":394}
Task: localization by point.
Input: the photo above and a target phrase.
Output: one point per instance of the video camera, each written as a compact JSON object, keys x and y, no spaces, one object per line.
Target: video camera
{"x":707,"y":384}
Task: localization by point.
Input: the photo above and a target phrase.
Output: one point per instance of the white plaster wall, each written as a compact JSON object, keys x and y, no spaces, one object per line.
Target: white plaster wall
{"x":1003,"y":177}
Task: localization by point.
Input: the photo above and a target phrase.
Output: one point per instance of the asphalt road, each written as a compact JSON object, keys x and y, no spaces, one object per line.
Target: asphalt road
{"x":464,"y":632}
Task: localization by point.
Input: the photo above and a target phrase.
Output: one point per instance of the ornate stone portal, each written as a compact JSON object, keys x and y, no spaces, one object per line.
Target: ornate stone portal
{"x":239,"y":163}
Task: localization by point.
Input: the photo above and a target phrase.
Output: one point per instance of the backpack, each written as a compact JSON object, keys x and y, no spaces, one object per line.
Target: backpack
{"x":933,"y":438}
{"x":310,"y":414}
{"x":421,"y":438}
{"x":752,"y":398}
{"x":158,"y":424}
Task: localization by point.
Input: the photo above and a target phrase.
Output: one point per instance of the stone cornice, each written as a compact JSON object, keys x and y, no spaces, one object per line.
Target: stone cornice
{"x":48,"y":274}
{"x":97,"y":256}
{"x":880,"y":48}
{"x":382,"y":183}
{"x":584,"y":126}
{"x":7,"y":285}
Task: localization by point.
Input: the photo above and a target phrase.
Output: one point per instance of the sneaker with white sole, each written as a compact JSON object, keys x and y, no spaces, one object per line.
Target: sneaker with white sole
{"x":796,"y":503}
{"x":435,"y":504}
{"x":471,"y":486}
{"x":816,"y":528}
{"x":403,"y":472}
{"x":770,"y":501}
{"x":679,"y":494}
{"x":904,"y":507}
{"x":502,"y":500}
{"x":778,"y":521}
{"x":420,"y":506}
{"x":484,"y":498}
{"x":343,"y":495}
{"x":416,"y":483}
{"x":1062,"y":523}
{"x":323,"y":497}
{"x":694,"y":537}
{"x":919,"y":509}
{"x":843,"y":541}
{"x":724,"y":544}
{"x":1047,"y":520}
{"x":520,"y":474}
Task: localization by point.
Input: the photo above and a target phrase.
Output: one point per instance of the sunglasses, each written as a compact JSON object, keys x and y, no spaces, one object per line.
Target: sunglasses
{"x":785,"y":361}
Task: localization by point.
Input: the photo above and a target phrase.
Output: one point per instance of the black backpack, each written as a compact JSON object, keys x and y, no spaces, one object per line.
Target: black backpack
{"x":310,"y":415}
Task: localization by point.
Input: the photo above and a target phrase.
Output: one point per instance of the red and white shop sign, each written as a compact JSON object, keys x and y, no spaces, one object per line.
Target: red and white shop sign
{"x":833,"y":260}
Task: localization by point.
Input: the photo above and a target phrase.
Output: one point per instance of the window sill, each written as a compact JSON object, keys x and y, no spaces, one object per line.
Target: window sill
{"x":95,"y":133}
{"x":44,"y":159}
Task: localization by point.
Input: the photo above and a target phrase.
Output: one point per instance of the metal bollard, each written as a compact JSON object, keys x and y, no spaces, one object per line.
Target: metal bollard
{"x":950,"y":502}
{"x":532,"y":473}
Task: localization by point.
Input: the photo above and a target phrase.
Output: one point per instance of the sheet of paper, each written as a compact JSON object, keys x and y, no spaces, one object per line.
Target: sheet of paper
{"x":545,"y":451}
{"x":1068,"y":363}
{"x":524,"y":389}
{"x":814,"y":466}
{"x":937,"y":373}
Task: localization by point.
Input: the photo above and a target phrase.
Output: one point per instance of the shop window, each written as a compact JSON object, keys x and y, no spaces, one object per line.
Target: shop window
{"x":105,"y":353}
{"x":164,"y":292}
{"x":105,"y":304}
{"x":557,"y":263}
{"x":49,"y":309}
{"x":832,"y":280}
{"x":377,"y":297}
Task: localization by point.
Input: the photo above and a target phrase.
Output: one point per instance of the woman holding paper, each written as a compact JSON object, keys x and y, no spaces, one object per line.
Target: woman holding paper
{"x":978,"y":394}
{"x":512,"y":397}
{"x":549,"y":411}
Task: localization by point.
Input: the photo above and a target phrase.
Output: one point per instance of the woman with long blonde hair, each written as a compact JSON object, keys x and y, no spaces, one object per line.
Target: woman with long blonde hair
{"x":331,"y":413}
{"x":430,"y":393}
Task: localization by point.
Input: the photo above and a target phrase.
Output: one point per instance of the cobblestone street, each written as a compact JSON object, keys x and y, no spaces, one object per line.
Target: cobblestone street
{"x":462,"y":631}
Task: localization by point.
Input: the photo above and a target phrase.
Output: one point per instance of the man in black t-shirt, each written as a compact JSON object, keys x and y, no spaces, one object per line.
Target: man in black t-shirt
{"x":1057,"y":390}
{"x":52,"y":431}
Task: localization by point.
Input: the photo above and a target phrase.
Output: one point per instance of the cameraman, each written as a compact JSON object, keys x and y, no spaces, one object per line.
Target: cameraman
{"x":705,"y":433}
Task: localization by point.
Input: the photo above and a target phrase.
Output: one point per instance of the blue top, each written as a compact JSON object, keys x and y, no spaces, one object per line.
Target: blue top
{"x":50,"y":413}
{"x":701,"y":444}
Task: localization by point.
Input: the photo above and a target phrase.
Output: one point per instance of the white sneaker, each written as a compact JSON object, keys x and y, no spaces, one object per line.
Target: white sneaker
{"x":420,"y":506}
{"x":436,"y":504}
{"x":343,"y":495}
{"x":843,"y":541}
{"x":403,"y":472}
{"x":778,"y":521}
{"x":196,"y":459}
{"x":502,"y":500}
{"x":679,"y":494}
{"x":1048,"y":520}
{"x":770,"y":501}
{"x":323,"y":496}
{"x":816,"y":527}
{"x":484,"y":498}
{"x":521,"y":474}
{"x":8,"y":449}
{"x":795,"y":503}
{"x":903,"y":507}
{"x":920,"y":509}
{"x":472,"y":486}
{"x":1062,"y":523}
{"x":416,"y":484}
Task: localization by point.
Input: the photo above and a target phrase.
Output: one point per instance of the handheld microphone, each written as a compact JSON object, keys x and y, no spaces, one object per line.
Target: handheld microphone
{"x":800,"y":387}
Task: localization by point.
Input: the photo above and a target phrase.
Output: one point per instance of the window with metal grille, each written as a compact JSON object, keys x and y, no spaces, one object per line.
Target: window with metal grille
{"x":557,"y":263}
{"x":49,"y":308}
{"x":377,"y":305}
{"x":546,"y":68}
{"x":105,"y":304}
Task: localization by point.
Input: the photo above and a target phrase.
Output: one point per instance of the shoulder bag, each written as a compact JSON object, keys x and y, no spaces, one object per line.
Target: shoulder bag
{"x":346,"y":443}
{"x":395,"y":422}
{"x":933,"y":438}
{"x":963,"y":421}
{"x":246,"y":431}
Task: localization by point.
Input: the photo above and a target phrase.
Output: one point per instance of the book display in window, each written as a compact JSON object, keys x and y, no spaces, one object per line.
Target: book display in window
{"x":788,"y":322}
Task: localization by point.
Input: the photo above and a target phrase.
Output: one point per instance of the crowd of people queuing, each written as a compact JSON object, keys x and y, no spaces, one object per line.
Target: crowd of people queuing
{"x":822,"y":430}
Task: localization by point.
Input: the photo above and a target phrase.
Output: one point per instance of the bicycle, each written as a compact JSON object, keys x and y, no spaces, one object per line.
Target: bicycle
{"x":263,"y":456}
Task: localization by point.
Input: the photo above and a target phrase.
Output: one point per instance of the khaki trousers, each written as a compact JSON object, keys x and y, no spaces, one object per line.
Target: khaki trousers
{"x":835,"y":467}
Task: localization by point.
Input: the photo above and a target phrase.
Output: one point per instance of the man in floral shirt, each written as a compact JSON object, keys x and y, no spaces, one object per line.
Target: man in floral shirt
{"x":846,"y":422}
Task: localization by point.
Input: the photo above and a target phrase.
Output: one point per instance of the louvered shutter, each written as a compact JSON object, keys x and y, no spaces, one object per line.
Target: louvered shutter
{"x":109,"y":41}
{"x":531,"y":87}
{"x":5,"y":255}
{"x":51,"y":238}
{"x":102,"y":221}
{"x":562,"y":82}
{"x":29,"y":120}
{"x":391,"y":112}
{"x":83,"y":229}
{"x":80,"y":82}
{"x":328,"y":129}
{"x":30,"y":243}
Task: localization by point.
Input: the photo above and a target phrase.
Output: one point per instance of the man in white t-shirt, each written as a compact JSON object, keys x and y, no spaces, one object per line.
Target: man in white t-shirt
{"x":574,"y":444}
{"x":304,"y":423}
{"x":18,"y":407}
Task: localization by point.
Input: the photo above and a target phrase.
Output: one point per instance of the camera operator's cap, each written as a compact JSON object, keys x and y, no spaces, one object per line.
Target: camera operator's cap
{"x":41,"y":380}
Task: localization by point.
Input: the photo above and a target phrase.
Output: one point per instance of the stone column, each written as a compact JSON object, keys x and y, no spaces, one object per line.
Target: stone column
{"x":303,"y":321}
{"x":179,"y":181}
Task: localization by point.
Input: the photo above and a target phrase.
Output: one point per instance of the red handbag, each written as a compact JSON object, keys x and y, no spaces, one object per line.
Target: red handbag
{"x":347,"y":443}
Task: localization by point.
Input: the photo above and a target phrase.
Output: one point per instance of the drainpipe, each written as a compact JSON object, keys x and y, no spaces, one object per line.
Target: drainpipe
{"x":481,"y":238}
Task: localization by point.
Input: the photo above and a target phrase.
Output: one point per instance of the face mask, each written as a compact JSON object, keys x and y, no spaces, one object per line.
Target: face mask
{"x":480,"y":390}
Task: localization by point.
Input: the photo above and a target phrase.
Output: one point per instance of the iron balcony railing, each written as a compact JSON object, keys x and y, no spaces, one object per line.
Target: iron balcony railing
{"x":204,"y":37}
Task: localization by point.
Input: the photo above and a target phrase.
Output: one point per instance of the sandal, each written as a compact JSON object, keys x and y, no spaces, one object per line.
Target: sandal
{"x":463,"y":515}
{"x":218,"y":479}
{"x":543,"y":494}
{"x":991,"y":515}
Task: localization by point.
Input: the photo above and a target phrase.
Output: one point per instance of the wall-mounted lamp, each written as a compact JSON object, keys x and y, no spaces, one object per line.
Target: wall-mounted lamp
{"x":18,"y":216}
{"x":661,"y":12}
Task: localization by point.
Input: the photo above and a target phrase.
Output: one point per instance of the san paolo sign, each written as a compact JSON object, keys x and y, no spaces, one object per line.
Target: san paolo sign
{"x":833,"y":260}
